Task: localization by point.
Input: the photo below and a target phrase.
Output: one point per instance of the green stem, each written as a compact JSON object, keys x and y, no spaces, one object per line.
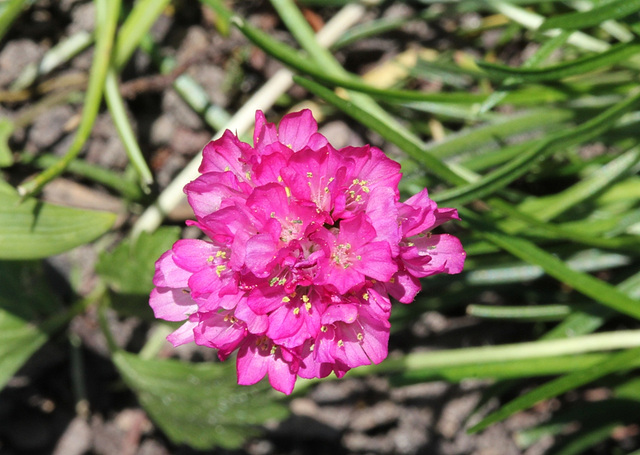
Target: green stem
{"x":86,"y":170}
{"x":106,"y":18}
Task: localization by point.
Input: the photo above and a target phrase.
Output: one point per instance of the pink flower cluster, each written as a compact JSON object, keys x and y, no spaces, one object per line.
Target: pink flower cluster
{"x":305,"y":245}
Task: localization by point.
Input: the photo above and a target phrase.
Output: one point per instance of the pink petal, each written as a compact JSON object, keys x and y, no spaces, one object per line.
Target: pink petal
{"x":252,"y":362}
{"x":172,"y":304}
{"x":168,"y":274}
{"x":296,"y":129}
{"x":183,"y":335}
{"x":264,"y":133}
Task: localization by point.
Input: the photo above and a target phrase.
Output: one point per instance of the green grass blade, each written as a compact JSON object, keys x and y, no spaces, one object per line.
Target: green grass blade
{"x":513,"y":352}
{"x":549,"y":207}
{"x":106,"y":20}
{"x":558,"y":386}
{"x":413,"y":149}
{"x":498,"y":131}
{"x":520,"y":313}
{"x":616,"y":9}
{"x":9,"y":13}
{"x":501,"y":370}
{"x":517,"y":167}
{"x":121,"y":121}
{"x":586,"y":284}
{"x":576,"y":67}
{"x":137,"y":24}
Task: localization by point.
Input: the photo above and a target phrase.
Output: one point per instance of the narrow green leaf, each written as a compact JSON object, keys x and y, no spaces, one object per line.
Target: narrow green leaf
{"x":9,"y":13}
{"x":34,"y":229}
{"x":616,"y":9}
{"x":121,"y":121}
{"x":137,"y":24}
{"x":106,"y":20}
{"x":412,"y":149}
{"x":586,"y":284}
{"x":502,"y":370}
{"x":621,"y":361}
{"x":520,"y":313}
{"x":549,"y":207}
{"x":198,"y":404}
{"x":498,"y":131}
{"x":520,"y":165}
{"x":576,"y":67}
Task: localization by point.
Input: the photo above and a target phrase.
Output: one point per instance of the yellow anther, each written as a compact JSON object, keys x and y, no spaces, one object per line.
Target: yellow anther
{"x":221,"y":254}
{"x":210,"y":259}
{"x":286,"y":299}
{"x":227,"y":169}
{"x":307,"y":305}
{"x":279,"y":179}
{"x":288,"y":191}
{"x":282,"y":281}
{"x":340,"y":343}
{"x":273,"y":214}
{"x":323,"y":329}
{"x":248,"y":175}
{"x":360,"y":336}
{"x":305,"y":298}
{"x":220,"y":269}
{"x":296,"y":311}
{"x":365,"y":296}
{"x":356,"y":181}
{"x":309,"y":174}
{"x":359,"y":258}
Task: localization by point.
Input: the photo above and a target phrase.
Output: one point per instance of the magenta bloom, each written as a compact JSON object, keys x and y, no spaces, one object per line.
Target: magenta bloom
{"x":305,"y":245}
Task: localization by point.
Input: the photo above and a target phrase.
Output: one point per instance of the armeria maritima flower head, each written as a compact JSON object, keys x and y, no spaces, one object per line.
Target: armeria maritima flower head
{"x":305,"y":245}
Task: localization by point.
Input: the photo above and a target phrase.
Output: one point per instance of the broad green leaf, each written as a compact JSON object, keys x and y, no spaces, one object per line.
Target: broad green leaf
{"x":620,"y":361}
{"x":613,"y":10}
{"x":25,"y":300}
{"x":578,"y":66}
{"x":19,"y":339}
{"x":34,"y":229}
{"x":198,"y":404}
{"x":6,"y":130}
{"x":129,"y":269}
